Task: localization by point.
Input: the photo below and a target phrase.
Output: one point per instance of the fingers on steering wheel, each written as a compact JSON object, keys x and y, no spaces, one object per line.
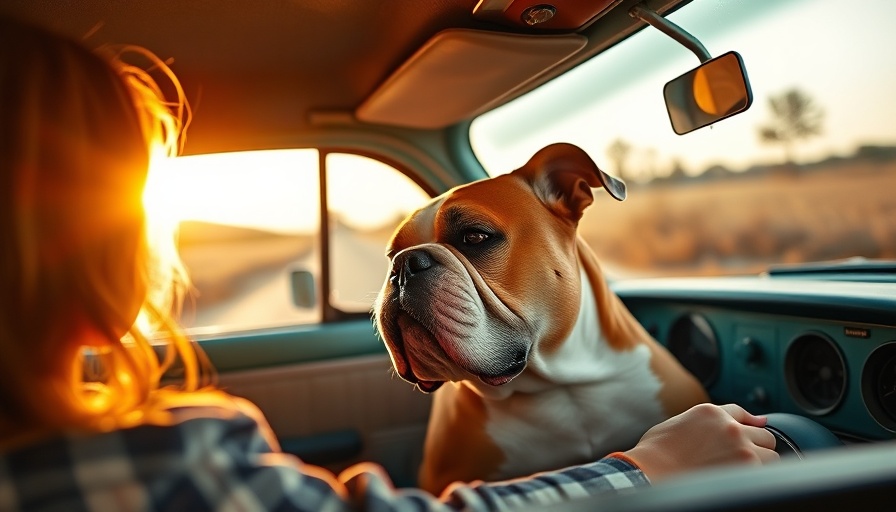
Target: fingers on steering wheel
{"x":766,"y":456}
{"x":761,"y":437}
{"x":742,"y":416}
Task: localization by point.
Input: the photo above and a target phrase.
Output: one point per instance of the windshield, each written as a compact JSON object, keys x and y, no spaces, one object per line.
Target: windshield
{"x":807,"y":174}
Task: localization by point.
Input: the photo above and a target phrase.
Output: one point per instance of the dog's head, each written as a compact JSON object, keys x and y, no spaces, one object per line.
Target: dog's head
{"x":486,"y":270}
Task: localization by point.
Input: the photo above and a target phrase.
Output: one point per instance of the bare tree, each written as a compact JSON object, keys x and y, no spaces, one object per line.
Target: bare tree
{"x":619,"y":152}
{"x":795,"y":116}
{"x":678,"y":172}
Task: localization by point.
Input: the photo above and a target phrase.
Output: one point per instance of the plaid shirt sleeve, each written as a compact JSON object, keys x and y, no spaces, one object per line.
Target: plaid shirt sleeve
{"x":231,"y":462}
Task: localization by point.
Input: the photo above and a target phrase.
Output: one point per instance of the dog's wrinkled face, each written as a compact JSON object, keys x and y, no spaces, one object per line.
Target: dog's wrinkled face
{"x":487,"y":270}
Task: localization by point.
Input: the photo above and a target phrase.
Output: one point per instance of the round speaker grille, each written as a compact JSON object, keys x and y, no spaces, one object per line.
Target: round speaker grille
{"x":879,"y":385}
{"x":816,"y":373}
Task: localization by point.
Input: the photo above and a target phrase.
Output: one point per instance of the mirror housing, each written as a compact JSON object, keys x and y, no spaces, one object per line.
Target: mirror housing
{"x":712,"y":91}
{"x":304,"y":295}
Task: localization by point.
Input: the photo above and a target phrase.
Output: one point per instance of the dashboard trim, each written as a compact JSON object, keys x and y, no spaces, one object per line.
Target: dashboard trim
{"x":844,"y":301}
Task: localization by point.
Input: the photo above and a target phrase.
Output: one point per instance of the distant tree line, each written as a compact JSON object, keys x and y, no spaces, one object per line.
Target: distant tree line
{"x":794,"y":117}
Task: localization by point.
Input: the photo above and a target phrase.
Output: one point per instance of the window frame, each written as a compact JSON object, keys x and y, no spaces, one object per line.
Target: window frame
{"x":329,"y":312}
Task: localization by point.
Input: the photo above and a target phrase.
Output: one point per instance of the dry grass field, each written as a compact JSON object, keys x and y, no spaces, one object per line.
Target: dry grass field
{"x":706,"y":227}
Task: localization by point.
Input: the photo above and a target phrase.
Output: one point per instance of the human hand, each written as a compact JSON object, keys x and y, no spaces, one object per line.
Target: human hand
{"x":704,"y":435}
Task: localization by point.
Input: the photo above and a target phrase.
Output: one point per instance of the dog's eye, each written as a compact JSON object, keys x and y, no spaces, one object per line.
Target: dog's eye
{"x":475,"y":237}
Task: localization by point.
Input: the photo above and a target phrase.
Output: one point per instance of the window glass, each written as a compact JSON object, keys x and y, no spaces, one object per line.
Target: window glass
{"x":808,"y":173}
{"x":246,"y":222}
{"x":367,"y":199}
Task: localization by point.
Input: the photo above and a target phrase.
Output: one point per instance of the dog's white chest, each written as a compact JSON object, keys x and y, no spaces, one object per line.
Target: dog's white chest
{"x":577,"y":423}
{"x":598,"y":401}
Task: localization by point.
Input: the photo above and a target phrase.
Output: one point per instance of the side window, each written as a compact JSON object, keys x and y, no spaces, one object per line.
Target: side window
{"x":367,"y":199}
{"x":246,"y":221}
{"x":249,"y":223}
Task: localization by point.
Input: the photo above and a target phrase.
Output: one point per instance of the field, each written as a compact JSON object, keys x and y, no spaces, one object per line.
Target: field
{"x":743,"y":224}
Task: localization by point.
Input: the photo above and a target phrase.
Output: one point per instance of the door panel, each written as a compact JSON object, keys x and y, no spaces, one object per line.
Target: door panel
{"x":331,"y":405}
{"x":265,"y":348}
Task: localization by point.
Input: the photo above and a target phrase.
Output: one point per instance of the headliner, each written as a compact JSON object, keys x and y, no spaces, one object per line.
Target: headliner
{"x":253,"y":70}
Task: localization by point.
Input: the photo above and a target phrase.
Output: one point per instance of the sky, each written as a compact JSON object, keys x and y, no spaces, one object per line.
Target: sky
{"x":840,"y":53}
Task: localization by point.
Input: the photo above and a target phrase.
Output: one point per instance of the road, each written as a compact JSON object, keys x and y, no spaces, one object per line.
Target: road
{"x":265,"y":299}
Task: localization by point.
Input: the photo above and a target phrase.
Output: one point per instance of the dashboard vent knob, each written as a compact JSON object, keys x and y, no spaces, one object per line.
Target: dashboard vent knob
{"x":692,"y":341}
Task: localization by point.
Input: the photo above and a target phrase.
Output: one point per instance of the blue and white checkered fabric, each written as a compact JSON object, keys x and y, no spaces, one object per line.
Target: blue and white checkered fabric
{"x":223,"y":460}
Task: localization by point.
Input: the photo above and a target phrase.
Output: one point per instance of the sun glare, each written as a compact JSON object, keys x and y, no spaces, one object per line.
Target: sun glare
{"x":158,"y":186}
{"x":275,"y":191}
{"x":267,"y":190}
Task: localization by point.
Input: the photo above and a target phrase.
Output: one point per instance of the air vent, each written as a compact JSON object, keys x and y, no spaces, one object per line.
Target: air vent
{"x":816,"y":373}
{"x":693,"y":342}
{"x":879,"y":385}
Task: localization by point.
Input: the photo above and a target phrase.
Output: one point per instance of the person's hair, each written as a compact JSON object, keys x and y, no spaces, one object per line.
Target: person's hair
{"x":87,"y":330}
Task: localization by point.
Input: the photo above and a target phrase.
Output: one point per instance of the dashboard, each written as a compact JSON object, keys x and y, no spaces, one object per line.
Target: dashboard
{"x":800,"y":344}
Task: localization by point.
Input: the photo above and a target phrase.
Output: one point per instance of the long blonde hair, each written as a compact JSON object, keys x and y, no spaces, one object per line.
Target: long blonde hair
{"x":86,"y":326}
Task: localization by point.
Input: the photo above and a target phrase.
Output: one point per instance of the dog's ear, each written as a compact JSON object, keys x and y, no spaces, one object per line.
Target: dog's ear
{"x":562,"y":176}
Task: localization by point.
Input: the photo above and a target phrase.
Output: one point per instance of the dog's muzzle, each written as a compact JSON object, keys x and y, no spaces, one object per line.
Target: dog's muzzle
{"x":409,"y":265}
{"x":438,"y":327}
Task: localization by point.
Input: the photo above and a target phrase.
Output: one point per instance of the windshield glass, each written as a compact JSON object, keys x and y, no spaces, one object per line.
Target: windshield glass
{"x":808,"y":173}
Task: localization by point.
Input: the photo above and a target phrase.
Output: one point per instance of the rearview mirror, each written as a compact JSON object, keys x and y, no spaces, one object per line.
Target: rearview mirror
{"x":712,"y":91}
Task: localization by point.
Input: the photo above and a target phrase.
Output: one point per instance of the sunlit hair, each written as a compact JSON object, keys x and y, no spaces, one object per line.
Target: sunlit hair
{"x":86,"y":322}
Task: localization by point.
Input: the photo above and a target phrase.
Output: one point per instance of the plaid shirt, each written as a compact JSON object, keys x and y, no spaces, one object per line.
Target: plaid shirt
{"x":216,"y":458}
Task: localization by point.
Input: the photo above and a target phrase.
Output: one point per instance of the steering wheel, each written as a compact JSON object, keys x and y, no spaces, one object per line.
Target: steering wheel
{"x":795,"y":435}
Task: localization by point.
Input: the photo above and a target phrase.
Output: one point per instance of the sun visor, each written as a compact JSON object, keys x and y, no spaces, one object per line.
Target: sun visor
{"x":460,"y":73}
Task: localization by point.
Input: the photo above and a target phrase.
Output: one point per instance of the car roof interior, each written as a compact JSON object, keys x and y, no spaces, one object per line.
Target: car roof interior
{"x":261,"y":74}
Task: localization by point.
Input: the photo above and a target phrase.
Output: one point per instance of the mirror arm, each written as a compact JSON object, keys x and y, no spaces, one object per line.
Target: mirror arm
{"x":672,"y":30}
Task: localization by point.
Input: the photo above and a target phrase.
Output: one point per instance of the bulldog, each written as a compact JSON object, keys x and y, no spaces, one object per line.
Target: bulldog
{"x":496,"y":304}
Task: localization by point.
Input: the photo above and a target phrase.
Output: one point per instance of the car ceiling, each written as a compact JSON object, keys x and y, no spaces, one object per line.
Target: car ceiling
{"x":257,"y":71}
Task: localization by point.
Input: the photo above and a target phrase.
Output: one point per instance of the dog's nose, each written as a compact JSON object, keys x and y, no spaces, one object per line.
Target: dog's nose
{"x":409,"y":264}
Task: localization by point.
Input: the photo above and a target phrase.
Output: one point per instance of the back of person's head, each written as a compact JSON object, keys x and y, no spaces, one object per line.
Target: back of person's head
{"x":79,"y":281}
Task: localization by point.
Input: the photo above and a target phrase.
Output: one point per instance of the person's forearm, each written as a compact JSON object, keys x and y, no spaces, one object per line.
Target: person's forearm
{"x":368,"y":485}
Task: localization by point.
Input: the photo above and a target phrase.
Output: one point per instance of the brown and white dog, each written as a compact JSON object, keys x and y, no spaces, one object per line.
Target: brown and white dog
{"x":495,"y":301}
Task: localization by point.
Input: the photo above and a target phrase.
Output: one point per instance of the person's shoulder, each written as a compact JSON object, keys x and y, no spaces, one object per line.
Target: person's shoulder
{"x":208,"y":405}
{"x":160,"y":459}
{"x":209,"y":414}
